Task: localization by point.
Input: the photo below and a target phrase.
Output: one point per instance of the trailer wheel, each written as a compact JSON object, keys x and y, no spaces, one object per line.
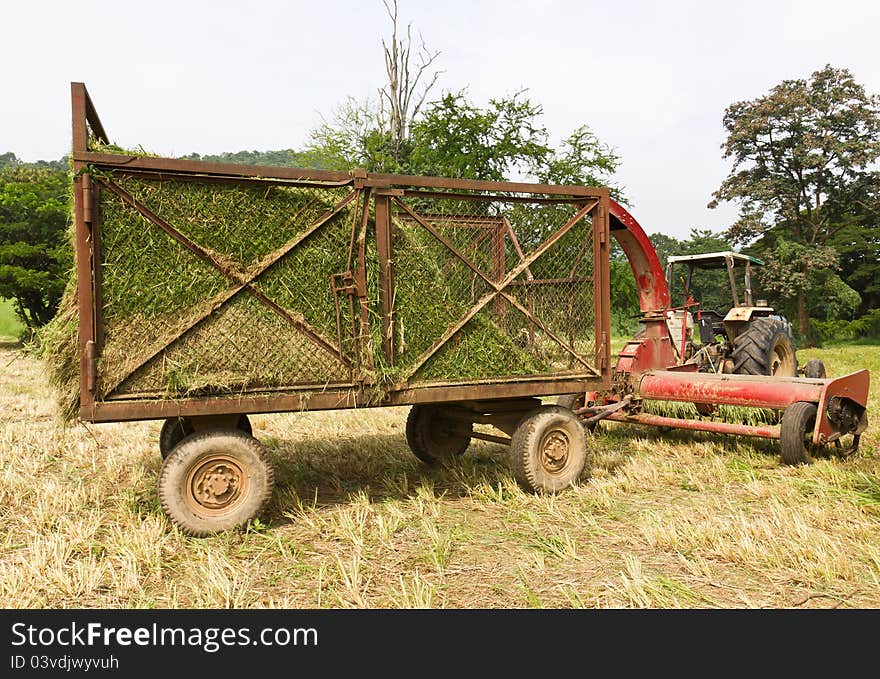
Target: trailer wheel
{"x":548,"y":451}
{"x":765,"y":348}
{"x":215,"y":480}
{"x":796,"y":433}
{"x":175,"y":429}
{"x":432,"y":437}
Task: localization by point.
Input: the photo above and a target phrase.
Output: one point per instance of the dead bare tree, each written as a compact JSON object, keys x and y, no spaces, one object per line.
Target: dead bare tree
{"x":402,"y":95}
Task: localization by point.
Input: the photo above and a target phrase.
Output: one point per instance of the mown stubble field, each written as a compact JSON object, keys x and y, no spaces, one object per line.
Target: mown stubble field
{"x":675,"y":521}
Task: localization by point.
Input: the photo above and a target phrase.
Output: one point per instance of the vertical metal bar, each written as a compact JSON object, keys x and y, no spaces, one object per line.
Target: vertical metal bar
{"x":85,"y":302}
{"x":361,"y":282}
{"x":602,"y":286}
{"x":82,"y":216}
{"x":748,"y":291}
{"x":78,"y":118}
{"x":732,"y":276}
{"x":386,"y":273}
{"x":97,"y":268}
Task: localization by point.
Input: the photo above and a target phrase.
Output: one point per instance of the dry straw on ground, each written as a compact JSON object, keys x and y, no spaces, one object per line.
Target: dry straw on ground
{"x":683,"y":520}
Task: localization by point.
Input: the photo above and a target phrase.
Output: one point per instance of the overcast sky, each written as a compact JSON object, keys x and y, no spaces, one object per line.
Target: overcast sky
{"x":652,"y":79}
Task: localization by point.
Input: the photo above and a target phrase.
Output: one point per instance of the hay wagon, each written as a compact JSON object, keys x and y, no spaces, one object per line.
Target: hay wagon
{"x":207,"y":292}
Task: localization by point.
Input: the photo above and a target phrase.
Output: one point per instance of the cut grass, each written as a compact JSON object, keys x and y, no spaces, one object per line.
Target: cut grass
{"x":174,"y":324}
{"x":687,"y":520}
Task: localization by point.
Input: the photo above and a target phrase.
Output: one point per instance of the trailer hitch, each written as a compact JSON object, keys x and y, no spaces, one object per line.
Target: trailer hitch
{"x":601,"y":412}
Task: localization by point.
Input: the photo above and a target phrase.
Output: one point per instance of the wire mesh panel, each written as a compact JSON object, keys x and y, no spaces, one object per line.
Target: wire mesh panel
{"x":216,"y":288}
{"x":491,"y":288}
{"x":292,"y":288}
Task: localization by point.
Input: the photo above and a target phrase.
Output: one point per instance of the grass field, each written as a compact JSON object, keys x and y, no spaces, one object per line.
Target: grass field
{"x":10,"y":325}
{"x":676,"y":521}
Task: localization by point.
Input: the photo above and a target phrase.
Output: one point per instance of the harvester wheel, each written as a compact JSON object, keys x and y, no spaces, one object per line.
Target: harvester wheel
{"x":215,"y":480}
{"x":548,"y":451}
{"x":765,"y":348}
{"x":796,"y":433}
{"x":175,"y":429}
{"x":815,"y":369}
{"x":432,"y":437}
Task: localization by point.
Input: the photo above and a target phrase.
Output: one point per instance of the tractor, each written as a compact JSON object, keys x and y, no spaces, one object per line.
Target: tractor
{"x":748,"y":338}
{"x":745,"y":357}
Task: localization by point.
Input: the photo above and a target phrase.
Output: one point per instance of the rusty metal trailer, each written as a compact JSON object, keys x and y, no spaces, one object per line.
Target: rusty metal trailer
{"x":523,"y":265}
{"x":411,"y":279}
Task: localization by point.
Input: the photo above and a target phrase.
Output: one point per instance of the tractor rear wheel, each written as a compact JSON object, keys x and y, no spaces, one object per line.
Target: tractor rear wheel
{"x":765,"y":348}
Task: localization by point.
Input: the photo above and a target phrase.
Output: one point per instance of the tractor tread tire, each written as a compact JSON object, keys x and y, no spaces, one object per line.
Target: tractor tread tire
{"x":753,"y":348}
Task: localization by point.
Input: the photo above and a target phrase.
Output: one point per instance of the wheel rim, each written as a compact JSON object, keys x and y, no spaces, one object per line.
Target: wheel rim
{"x":555,"y":449}
{"x":781,"y":360}
{"x":216,"y":485}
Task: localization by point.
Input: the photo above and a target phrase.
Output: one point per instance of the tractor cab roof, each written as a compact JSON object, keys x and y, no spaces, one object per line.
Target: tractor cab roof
{"x":715,"y":260}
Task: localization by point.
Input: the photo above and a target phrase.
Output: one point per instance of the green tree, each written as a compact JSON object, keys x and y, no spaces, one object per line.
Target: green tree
{"x":802,"y":160}
{"x":9,"y":159}
{"x":354,"y":137}
{"x":34,"y":252}
{"x":585,"y":160}
{"x":858,"y":247}
{"x":456,"y":138}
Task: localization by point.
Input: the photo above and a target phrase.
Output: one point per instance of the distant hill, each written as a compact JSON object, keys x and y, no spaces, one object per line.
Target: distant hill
{"x":9,"y":159}
{"x":282,"y":158}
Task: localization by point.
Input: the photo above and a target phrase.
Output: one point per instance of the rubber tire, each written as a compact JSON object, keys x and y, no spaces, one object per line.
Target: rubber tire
{"x":815,"y":369}
{"x":249,"y":453}
{"x":754,"y":349}
{"x":175,"y":429}
{"x":797,"y":425}
{"x":526,"y":453}
{"x":431,"y":437}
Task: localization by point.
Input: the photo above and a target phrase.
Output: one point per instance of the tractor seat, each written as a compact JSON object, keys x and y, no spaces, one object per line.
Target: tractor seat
{"x":712,"y":316}
{"x":711,"y":322}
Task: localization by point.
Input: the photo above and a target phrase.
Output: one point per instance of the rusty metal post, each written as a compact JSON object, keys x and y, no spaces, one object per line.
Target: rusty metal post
{"x":83,"y":215}
{"x":386,"y":271}
{"x":360,"y":274}
{"x":602,"y":286}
